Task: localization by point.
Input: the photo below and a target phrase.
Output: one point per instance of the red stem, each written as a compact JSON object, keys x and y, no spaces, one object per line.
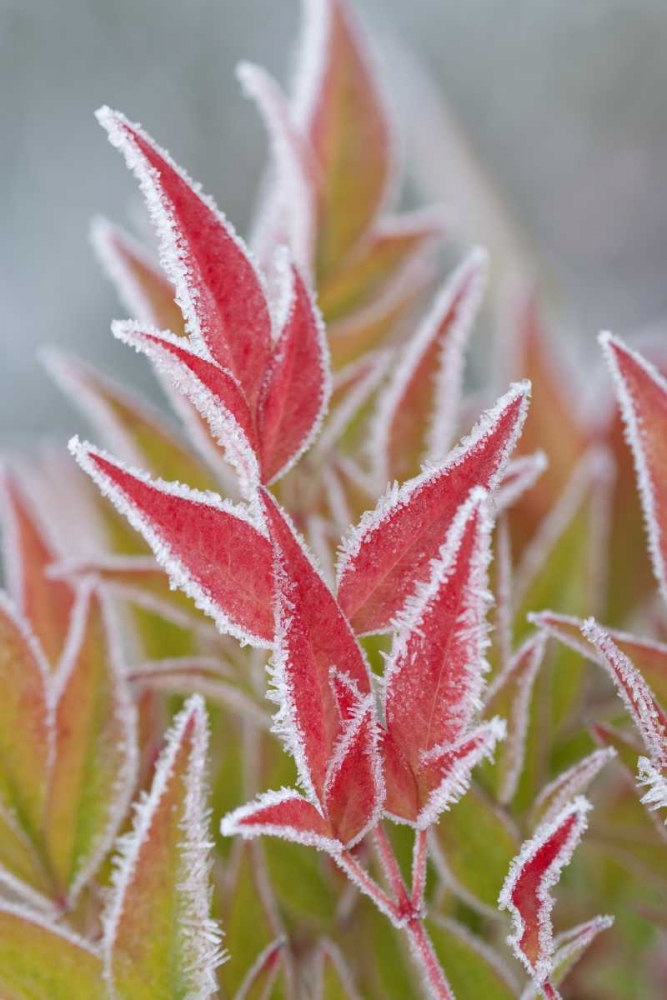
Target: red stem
{"x":419,"y":862}
{"x":431,"y":969}
{"x":550,"y":991}
{"x":360,"y":877}
{"x":391,"y":869}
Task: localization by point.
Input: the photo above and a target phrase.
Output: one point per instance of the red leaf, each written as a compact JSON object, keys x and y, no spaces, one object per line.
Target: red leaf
{"x":642,"y":394}
{"x":647,"y":715}
{"x":435,"y":674}
{"x":208,"y":546}
{"x":444,"y":775}
{"x":526,"y":892}
{"x":47,"y":604}
{"x":354,"y":791}
{"x":297,"y":386}
{"x":217,"y":287}
{"x":282,"y":814}
{"x":390,"y":551}
{"x":418,"y":411}
{"x":312,"y":637}
{"x":212,"y":390}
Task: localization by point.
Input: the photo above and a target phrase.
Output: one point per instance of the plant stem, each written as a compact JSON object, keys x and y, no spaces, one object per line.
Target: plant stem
{"x":419,"y":862}
{"x":391,"y":869}
{"x":428,"y":962}
{"x":360,"y":877}
{"x":550,"y":991}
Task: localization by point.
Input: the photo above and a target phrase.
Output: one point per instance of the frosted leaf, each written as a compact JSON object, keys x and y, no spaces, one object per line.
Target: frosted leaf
{"x":283,"y":814}
{"x":447,"y":771}
{"x":95,"y":762}
{"x":649,"y":718}
{"x":218,"y":289}
{"x":510,"y":694}
{"x":642,"y":394}
{"x":157,"y":922}
{"x":526,"y":892}
{"x":297,"y":384}
{"x":521,"y":475}
{"x":435,"y":673}
{"x":390,"y":550}
{"x":194,"y":537}
{"x":312,"y":636}
{"x":141,"y":287}
{"x":294,"y":165}
{"x":418,"y":411}
{"x":264,"y":971}
{"x":655,"y":781}
{"x":214,"y":392}
{"x":572,"y":782}
{"x":568,"y":949}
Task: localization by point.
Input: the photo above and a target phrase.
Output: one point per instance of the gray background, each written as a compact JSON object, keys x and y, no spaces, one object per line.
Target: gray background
{"x":563,"y":101}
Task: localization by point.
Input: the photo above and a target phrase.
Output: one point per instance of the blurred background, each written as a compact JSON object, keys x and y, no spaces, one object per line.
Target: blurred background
{"x":562,"y":102}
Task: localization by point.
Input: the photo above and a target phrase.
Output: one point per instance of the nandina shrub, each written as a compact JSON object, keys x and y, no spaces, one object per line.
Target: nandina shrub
{"x":393,"y":821}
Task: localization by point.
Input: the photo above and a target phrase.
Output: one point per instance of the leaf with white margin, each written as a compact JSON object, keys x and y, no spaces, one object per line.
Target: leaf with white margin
{"x":41,"y":961}
{"x":569,"y":783}
{"x":391,"y":549}
{"x":28,"y":551}
{"x":642,"y":393}
{"x":213,"y":392}
{"x":292,"y":213}
{"x":569,"y":947}
{"x":419,"y":409}
{"x":26,"y":723}
{"x":135,"y":431}
{"x":260,"y":979}
{"x":141,"y":287}
{"x":510,"y":696}
{"x":159,"y":939}
{"x":217,"y":286}
{"x":95,"y":761}
{"x":297,"y":384}
{"x":197,"y":538}
{"x":527,"y":889}
{"x":338,"y":107}
{"x":285,"y":814}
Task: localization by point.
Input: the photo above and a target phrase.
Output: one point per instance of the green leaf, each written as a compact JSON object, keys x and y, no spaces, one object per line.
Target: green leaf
{"x":26,"y":723}
{"x":473,"y":845}
{"x":95,"y":748}
{"x":40,"y":962}
{"x":159,"y":940}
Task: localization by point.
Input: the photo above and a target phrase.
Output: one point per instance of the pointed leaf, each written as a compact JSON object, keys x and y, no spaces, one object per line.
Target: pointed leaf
{"x":313,"y":636}
{"x":569,"y":947}
{"x":339,"y":108}
{"x":139,"y":435}
{"x":219,"y":291}
{"x":95,"y":760}
{"x":39,"y":961}
{"x":434,"y":676}
{"x":159,"y":940}
{"x":283,"y":814}
{"x":390,"y":551}
{"x":45,"y":603}
{"x":212,"y":391}
{"x":370,"y":269}
{"x":647,"y":715}
{"x":418,"y":411}
{"x":261,"y":977}
{"x":195,"y":537}
{"x":26,"y":722}
{"x":297,"y":386}
{"x":142,"y":288}
{"x":526,"y":892}
{"x":570,"y":783}
{"x":354,"y":790}
{"x":510,"y":696}
{"x":642,"y":394}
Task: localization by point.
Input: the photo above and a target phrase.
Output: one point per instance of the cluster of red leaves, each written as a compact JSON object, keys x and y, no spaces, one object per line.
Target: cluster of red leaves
{"x":242,"y":352}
